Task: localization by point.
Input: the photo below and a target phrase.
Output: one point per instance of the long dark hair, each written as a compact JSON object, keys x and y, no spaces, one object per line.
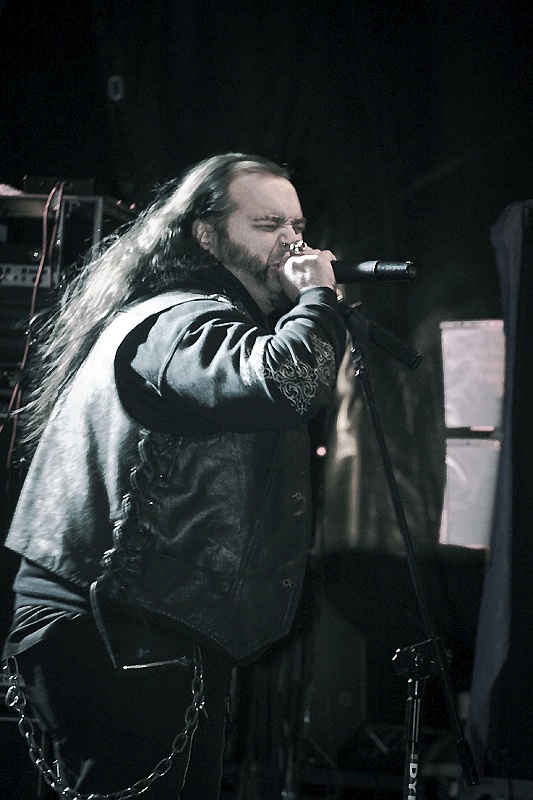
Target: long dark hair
{"x":155,"y":253}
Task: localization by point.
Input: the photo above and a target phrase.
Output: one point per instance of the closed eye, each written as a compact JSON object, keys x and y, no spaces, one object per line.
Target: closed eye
{"x":268,"y":226}
{"x":273,"y":223}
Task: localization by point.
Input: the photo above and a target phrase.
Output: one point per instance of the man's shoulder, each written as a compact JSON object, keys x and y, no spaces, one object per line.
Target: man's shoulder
{"x":170,"y":300}
{"x":173,"y":298}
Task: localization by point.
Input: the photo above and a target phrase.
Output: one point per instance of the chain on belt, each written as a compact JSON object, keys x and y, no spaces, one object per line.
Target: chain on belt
{"x":16,"y":699}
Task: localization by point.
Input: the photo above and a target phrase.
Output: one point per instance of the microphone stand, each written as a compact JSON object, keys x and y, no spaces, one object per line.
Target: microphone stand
{"x":429,"y":657}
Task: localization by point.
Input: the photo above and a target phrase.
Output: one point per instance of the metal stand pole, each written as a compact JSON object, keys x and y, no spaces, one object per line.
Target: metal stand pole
{"x":363,"y":332}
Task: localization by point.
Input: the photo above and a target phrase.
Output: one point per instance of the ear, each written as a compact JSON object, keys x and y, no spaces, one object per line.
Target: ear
{"x":204,"y":233}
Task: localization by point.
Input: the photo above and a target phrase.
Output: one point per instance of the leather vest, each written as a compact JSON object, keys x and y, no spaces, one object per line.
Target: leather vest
{"x":211,"y":533}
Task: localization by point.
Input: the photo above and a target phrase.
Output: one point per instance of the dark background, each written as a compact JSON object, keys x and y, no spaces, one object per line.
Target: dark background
{"x":408,"y":127}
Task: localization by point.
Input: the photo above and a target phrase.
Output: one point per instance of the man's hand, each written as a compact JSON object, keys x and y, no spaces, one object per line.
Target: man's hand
{"x":308,"y":270}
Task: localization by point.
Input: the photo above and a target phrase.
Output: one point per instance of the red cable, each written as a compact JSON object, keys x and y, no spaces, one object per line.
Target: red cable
{"x":16,"y":395}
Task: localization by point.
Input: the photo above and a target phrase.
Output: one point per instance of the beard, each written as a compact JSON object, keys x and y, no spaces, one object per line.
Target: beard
{"x":243,"y":262}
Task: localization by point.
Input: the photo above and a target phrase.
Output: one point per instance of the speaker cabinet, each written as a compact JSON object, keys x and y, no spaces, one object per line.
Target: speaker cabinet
{"x":338,"y":680}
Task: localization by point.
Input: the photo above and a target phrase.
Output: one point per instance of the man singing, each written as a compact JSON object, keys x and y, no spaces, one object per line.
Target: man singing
{"x":164,"y":524}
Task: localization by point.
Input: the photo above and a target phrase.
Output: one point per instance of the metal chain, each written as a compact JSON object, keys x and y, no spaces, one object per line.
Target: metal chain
{"x":16,"y":699}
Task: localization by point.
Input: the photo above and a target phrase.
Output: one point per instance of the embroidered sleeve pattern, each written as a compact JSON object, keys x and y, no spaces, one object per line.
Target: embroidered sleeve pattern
{"x":296,"y":379}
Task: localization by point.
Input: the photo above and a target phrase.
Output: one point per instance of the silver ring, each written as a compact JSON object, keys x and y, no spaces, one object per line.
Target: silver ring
{"x":295,"y":248}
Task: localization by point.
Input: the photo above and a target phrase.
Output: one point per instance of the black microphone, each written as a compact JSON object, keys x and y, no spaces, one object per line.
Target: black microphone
{"x":348,"y":272}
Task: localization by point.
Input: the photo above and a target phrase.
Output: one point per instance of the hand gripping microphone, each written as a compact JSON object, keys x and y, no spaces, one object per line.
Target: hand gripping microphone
{"x":352,"y":272}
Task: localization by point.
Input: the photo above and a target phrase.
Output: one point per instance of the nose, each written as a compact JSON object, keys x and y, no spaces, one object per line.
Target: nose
{"x":288,"y":236}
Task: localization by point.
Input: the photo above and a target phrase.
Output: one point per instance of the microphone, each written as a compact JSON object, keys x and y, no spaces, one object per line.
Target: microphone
{"x":348,"y":272}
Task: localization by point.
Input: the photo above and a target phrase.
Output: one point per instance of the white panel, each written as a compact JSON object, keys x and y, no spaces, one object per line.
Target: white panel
{"x":473,"y":355}
{"x":471,"y":469}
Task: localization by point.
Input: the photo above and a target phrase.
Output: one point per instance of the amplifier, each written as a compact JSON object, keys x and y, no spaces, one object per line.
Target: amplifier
{"x":74,"y":223}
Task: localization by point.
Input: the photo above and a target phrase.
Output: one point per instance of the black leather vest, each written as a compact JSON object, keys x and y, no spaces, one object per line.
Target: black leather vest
{"x":211,"y":533}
